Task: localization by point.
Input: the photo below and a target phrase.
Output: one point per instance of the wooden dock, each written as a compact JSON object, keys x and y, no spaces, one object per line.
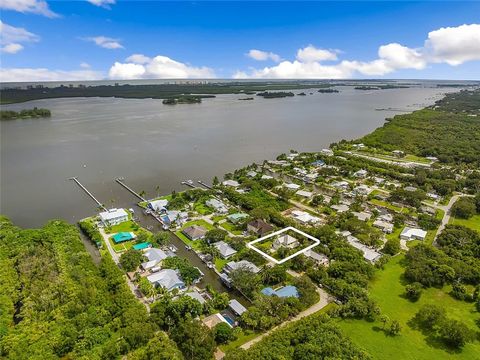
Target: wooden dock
{"x":121,"y":182}
{"x":88,"y":193}
{"x":203,"y":184}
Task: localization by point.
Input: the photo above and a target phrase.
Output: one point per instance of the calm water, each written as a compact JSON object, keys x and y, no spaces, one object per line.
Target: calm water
{"x":154,"y":146}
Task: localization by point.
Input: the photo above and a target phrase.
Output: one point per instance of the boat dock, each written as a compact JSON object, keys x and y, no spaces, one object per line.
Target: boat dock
{"x":189,"y":183}
{"x":203,"y":184}
{"x":88,"y":193}
{"x":121,"y":182}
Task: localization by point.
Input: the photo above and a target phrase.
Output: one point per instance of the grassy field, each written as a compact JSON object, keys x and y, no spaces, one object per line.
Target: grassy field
{"x":231,"y":228}
{"x":472,"y":223}
{"x":387,"y":205}
{"x":387,"y":289}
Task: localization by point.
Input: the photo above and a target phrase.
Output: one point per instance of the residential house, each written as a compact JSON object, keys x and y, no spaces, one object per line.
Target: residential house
{"x":318,"y":163}
{"x":304,"y":217}
{"x":292,"y":186}
{"x":231,"y":183}
{"x":398,"y":153}
{"x":410,"y":188}
{"x":217,"y":205}
{"x":166,"y":278}
{"x":123,"y":236}
{"x":409,"y":233}
{"x":305,"y":194}
{"x":194,"y":232}
{"x":224,"y":249}
{"x":341,"y":185}
{"x":362,"y":173}
{"x":340,"y":208}
{"x":385,"y":226}
{"x":236,"y":307}
{"x":283,"y":292}
{"x":362,"y":190}
{"x":266,"y":177}
{"x":259,"y":227}
{"x":242,"y":264}
{"x":358,"y":146}
{"x":159,"y":205}
{"x":237,"y":217}
{"x":154,"y":258}
{"x":285,"y":240}
{"x":327,"y":152}
{"x":362,"y":216}
{"x":113,"y":217}
{"x":215,"y":319}
{"x":320,"y":259}
{"x":252,"y":174}
{"x":368,"y":253}
{"x":194,"y":294}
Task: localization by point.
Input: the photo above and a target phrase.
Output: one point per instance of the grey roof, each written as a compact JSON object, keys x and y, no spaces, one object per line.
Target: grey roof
{"x":236,"y":307}
{"x":195,"y":232}
{"x":243,"y":264}
{"x":224,"y":249}
{"x":154,"y":256}
{"x":197,"y":296}
{"x":166,"y":278}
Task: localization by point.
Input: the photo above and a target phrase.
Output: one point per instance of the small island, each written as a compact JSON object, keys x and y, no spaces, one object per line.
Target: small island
{"x":185,"y":99}
{"x":272,"y":95}
{"x":328,"y":91}
{"x":25,"y":114}
{"x":365,"y":87}
{"x":247,"y":98}
{"x":302,"y":94}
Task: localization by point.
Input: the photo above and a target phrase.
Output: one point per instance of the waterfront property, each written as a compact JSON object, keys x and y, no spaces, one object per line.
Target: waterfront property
{"x":217,"y":205}
{"x":236,"y":307}
{"x":113,"y":217}
{"x":154,"y":258}
{"x":231,"y":183}
{"x":194,"y":232}
{"x":224,"y":249}
{"x":158,"y":205}
{"x":123,"y":236}
{"x":167,"y":279}
{"x":242,"y":264}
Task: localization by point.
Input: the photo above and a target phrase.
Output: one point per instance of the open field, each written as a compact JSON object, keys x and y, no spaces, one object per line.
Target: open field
{"x":387,"y":290}
{"x":472,"y":223}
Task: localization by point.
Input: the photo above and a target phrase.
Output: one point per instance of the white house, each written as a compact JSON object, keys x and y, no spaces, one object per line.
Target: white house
{"x":242,"y":264}
{"x":304,"y":217}
{"x":217,"y":205}
{"x":369,"y":254}
{"x":154,"y":256}
{"x":266,"y":177}
{"x":252,"y":174}
{"x":327,"y":152}
{"x":320,"y":259}
{"x":362,"y":190}
{"x":166,"y":278}
{"x":362,"y":216}
{"x":285,"y":240}
{"x":158,"y":205}
{"x":341,"y":208}
{"x":292,"y":186}
{"x":224,"y":249}
{"x":113,"y":217}
{"x":360,"y":173}
{"x":231,"y":183}
{"x":385,"y":226}
{"x":305,"y":194}
{"x":409,"y":233}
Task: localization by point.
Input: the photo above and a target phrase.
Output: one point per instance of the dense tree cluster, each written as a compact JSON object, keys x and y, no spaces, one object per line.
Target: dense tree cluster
{"x":24,"y":114}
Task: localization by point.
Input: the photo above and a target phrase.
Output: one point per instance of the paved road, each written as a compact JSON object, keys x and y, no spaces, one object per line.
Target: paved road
{"x":112,"y":252}
{"x":446,"y":216}
{"x":325,"y":299}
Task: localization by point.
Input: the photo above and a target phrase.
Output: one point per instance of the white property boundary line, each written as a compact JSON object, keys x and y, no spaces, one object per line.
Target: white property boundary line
{"x":250,"y":245}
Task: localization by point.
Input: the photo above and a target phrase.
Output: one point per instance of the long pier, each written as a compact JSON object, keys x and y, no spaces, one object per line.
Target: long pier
{"x":202,"y":183}
{"x":189,"y":183}
{"x":120,"y":181}
{"x":88,"y":193}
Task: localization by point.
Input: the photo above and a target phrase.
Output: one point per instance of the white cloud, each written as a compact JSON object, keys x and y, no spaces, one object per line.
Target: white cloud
{"x":139,"y":66}
{"x":106,"y":42}
{"x":43,"y":74}
{"x":260,"y":55}
{"x":11,"y":37}
{"x":12,"y":48}
{"x":102,"y":3}
{"x":85,"y":65}
{"x":39,"y":7}
{"x":311,"y":54}
{"x":453,"y":45}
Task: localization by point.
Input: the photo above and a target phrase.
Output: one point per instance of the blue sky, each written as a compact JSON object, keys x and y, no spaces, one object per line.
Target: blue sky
{"x":79,"y":40}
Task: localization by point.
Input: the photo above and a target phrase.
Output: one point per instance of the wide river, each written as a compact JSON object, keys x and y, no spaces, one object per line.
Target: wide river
{"x":155,"y":146}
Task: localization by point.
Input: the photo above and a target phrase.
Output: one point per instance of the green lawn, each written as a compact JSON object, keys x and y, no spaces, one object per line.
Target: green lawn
{"x":390,"y":206}
{"x":202,"y":209}
{"x":126,"y":226}
{"x":121,"y":247}
{"x":387,"y":290}
{"x":247,"y":335}
{"x":472,"y":223}
{"x":231,"y":227}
